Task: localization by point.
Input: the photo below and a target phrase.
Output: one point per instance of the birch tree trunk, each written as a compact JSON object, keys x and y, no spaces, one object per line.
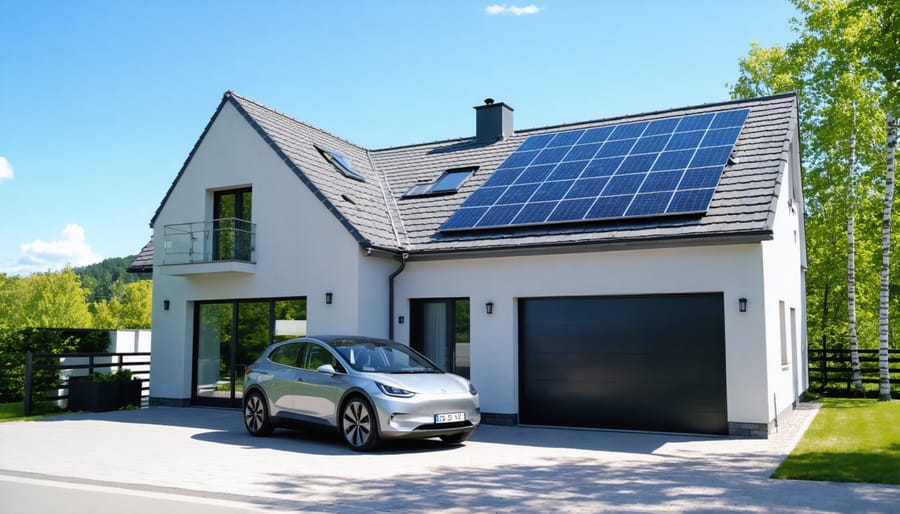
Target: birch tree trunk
{"x":884,"y":382}
{"x":851,"y":261}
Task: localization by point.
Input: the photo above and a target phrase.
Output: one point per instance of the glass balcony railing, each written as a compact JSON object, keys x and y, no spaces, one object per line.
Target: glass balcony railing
{"x":224,"y":239}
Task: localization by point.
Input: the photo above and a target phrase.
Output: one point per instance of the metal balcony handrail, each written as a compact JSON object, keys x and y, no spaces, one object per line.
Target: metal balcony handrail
{"x":220,"y":239}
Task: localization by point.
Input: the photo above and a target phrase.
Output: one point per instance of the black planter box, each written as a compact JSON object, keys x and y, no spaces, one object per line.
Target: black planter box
{"x":131,"y":392}
{"x":94,"y":396}
{"x":103,"y":396}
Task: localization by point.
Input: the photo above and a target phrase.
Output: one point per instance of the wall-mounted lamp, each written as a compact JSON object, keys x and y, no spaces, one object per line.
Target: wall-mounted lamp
{"x":328,"y":298}
{"x":165,"y":305}
{"x":489,"y":307}
{"x":742,"y":304}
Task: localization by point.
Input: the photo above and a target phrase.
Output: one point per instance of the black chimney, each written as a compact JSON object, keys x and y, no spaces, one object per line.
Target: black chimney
{"x":493,"y":121}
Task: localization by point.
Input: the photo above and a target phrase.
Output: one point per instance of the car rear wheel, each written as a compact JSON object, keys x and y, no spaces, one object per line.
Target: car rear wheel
{"x":456,"y":438}
{"x":358,"y":424}
{"x":256,"y":415}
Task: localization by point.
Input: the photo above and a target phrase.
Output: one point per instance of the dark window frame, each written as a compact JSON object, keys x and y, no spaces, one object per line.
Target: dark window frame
{"x":421,"y":189}
{"x":340,"y":163}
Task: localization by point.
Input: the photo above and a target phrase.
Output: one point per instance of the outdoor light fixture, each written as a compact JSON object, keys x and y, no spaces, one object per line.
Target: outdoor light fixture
{"x":328,"y":298}
{"x":742,"y":304}
{"x":165,"y":305}
{"x":489,"y":307}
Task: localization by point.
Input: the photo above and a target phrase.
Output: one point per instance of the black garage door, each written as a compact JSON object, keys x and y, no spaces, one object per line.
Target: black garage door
{"x":631,"y":362}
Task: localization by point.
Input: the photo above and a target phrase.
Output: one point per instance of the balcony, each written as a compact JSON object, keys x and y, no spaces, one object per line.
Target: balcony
{"x":225,"y":245}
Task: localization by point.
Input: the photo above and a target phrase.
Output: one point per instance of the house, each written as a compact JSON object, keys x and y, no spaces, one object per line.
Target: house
{"x":643,"y":272}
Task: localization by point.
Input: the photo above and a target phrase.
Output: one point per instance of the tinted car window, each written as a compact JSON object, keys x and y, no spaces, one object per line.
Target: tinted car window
{"x":382,"y":357}
{"x":286,"y":354}
{"x":317,"y":356}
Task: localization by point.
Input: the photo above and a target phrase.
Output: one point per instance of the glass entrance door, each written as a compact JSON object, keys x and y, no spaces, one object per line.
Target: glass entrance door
{"x":231,"y":225}
{"x":213,"y":355}
{"x":440,"y":330}
{"x":232,"y":334}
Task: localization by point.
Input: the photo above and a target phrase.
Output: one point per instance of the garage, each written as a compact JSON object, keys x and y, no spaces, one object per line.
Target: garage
{"x":651,"y":362}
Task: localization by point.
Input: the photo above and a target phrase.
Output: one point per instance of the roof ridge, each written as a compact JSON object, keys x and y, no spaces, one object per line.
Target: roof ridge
{"x":390,"y":204}
{"x":760,"y":99}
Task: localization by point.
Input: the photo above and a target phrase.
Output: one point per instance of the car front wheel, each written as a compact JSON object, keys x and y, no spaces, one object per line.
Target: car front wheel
{"x":256,"y":415}
{"x":358,"y":424}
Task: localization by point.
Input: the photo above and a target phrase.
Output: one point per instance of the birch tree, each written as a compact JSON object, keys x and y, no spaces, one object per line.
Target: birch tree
{"x":879,"y":47}
{"x":840,"y":100}
{"x":851,"y":261}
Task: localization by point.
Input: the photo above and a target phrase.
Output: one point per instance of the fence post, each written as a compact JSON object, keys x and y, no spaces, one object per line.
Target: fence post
{"x":28,"y":368}
{"x":824,"y":369}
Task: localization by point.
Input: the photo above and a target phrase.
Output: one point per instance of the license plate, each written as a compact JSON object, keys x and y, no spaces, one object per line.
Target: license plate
{"x":450,"y":417}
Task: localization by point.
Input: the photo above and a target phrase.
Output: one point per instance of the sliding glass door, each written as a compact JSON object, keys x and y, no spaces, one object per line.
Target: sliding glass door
{"x":229,"y":335}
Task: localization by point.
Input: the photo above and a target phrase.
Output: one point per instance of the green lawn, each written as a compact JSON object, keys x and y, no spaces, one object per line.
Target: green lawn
{"x":16,"y":411}
{"x":849,"y":441}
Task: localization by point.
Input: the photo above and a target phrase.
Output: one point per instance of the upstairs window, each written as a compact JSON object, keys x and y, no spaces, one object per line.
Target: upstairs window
{"x":447,"y":183}
{"x":341,"y":164}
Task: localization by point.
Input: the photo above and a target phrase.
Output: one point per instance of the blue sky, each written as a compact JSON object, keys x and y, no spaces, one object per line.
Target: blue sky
{"x":101,"y":101}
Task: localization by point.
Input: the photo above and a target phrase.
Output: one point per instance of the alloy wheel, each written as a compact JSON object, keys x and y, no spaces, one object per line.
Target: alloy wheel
{"x":256,"y":417}
{"x":358,"y":425}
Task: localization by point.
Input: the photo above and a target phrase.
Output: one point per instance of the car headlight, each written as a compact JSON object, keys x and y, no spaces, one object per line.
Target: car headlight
{"x":394,"y":391}
{"x":472,"y":389}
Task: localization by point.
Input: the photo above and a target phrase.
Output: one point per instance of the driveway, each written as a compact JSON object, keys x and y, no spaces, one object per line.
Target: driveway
{"x":206,"y":454}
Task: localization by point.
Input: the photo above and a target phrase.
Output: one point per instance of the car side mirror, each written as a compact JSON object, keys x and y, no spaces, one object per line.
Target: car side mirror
{"x":326,"y":368}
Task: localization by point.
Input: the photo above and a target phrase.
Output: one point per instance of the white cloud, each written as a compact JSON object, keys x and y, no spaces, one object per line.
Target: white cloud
{"x":495,"y":9}
{"x":6,"y":169}
{"x":71,"y":249}
{"x":528,"y":9}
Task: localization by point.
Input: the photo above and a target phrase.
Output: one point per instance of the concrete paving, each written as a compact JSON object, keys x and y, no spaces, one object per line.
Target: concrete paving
{"x":203,"y":453}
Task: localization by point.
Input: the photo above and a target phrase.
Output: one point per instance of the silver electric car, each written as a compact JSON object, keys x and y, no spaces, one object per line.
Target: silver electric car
{"x":368,"y":389}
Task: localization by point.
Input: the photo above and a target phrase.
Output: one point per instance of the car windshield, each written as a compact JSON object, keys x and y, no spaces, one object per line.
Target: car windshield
{"x":382,"y":357}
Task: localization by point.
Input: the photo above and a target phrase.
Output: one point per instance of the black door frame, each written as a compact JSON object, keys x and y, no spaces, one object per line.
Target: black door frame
{"x":234,"y":366}
{"x":238,"y":214}
{"x":416,"y":325}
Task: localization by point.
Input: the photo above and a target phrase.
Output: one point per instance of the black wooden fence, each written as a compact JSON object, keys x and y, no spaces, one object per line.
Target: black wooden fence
{"x":830,"y":373}
{"x":60,"y":363}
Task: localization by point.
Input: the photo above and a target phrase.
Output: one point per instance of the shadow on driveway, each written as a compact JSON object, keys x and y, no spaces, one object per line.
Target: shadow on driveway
{"x":206,"y":452}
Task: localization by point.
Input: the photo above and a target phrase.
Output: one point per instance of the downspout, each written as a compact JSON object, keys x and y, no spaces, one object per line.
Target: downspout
{"x":399,"y":270}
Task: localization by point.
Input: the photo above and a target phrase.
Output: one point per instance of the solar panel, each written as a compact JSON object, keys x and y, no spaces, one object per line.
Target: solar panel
{"x":663,"y":167}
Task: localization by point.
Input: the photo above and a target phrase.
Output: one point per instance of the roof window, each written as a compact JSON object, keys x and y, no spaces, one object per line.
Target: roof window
{"x":448,"y":183}
{"x":341,"y":164}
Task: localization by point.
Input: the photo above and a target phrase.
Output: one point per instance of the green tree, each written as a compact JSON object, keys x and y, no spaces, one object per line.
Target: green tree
{"x":878,"y":45}
{"x":53,"y":300}
{"x":8,"y":308}
{"x":840,"y":100}
{"x":129,"y":307}
{"x":100,"y":278}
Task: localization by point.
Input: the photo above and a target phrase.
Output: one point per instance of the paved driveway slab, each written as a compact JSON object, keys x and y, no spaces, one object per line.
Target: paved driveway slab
{"x":206,"y":453}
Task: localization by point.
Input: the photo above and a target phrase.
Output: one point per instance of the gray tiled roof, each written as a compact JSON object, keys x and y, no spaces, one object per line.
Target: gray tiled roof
{"x":743,"y":204}
{"x":378,"y":215}
{"x":143,"y":263}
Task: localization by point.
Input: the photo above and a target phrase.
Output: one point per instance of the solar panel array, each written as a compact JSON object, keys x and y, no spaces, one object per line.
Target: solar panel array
{"x":662,"y":167}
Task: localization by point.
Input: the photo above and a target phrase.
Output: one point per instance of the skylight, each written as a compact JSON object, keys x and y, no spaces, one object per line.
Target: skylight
{"x":341,"y":164}
{"x":447,"y":183}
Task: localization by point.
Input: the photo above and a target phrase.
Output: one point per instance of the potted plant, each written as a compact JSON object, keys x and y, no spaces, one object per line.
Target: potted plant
{"x":100,"y":392}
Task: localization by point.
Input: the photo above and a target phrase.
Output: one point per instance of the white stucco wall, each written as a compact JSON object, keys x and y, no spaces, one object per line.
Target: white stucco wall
{"x":301,"y":250}
{"x":783,"y":283}
{"x":735,"y":270}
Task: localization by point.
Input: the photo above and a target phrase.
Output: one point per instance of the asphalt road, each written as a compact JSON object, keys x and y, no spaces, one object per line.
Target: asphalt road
{"x":36,"y":496}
